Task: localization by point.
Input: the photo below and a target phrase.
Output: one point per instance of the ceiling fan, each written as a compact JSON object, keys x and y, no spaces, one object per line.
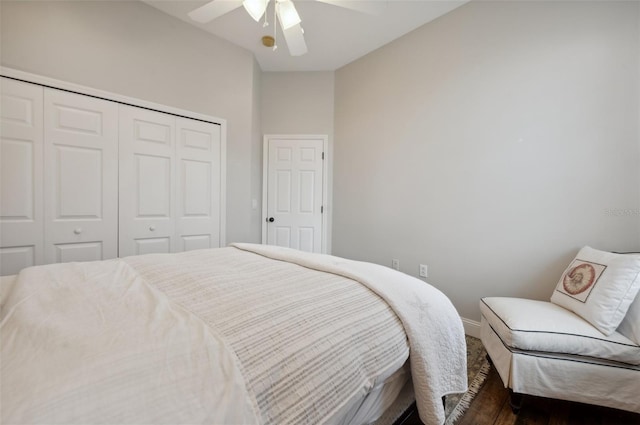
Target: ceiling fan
{"x":284,"y":12}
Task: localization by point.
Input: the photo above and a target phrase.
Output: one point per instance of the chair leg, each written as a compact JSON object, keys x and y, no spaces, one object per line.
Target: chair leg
{"x":515,"y":401}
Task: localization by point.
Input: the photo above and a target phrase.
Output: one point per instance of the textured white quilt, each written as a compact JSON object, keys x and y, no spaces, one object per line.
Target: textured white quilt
{"x":436,"y":335}
{"x":310,"y":345}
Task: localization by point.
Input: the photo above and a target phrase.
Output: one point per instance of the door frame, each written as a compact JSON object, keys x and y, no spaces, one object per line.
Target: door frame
{"x":325,"y":181}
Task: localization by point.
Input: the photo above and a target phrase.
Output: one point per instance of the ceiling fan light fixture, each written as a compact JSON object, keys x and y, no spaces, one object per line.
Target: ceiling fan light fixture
{"x":287,"y":14}
{"x":255,"y":8}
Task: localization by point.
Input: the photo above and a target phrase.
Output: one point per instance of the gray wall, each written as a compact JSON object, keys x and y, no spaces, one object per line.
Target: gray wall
{"x":300,"y":103}
{"x":297,"y":102}
{"x":491,"y":144}
{"x":256,"y":157}
{"x":130,"y":48}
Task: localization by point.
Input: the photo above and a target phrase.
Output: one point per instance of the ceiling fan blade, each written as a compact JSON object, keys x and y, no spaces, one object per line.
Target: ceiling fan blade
{"x":295,"y":40}
{"x":214,"y":9}
{"x":371,"y":7}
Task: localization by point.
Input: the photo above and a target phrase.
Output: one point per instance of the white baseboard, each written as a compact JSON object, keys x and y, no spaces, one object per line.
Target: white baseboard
{"x":471,"y":327}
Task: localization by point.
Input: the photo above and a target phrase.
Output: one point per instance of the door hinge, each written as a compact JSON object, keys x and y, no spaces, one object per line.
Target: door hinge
{"x":322,"y":209}
{"x":323,"y":156}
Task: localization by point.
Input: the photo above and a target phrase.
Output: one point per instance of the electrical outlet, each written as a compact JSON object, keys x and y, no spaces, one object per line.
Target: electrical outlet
{"x":395,"y":264}
{"x":423,"y":270}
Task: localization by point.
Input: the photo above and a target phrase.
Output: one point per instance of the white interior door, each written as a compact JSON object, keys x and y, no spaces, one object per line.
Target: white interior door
{"x":147,"y":182}
{"x":81,"y":177}
{"x":294,"y":191}
{"x":21,"y":156}
{"x":198,"y":185}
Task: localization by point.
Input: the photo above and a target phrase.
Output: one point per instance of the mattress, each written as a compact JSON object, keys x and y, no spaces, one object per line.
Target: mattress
{"x":383,"y":404}
{"x":211,"y":336}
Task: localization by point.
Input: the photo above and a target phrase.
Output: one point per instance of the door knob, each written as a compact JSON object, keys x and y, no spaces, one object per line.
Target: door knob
{"x":77,"y":230}
{"x":271,"y":219}
{"x":152,"y":228}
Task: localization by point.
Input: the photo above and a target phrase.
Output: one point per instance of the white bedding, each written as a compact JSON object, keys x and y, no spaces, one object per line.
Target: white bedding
{"x":436,"y":335}
{"x":134,"y":345}
{"x":119,"y":353}
{"x":307,"y":342}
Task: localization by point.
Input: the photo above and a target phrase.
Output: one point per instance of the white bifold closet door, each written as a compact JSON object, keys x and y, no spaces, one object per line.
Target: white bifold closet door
{"x":84,"y":178}
{"x":21,"y":156}
{"x":169,"y":183}
{"x":147,"y":182}
{"x":80,"y":177}
{"x":198,"y":185}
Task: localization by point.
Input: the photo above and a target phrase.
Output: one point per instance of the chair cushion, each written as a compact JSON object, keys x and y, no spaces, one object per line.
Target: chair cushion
{"x":542,"y":326}
{"x":599,"y":286}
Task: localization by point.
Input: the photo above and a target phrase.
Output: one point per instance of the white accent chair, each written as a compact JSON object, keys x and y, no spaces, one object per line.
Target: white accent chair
{"x":542,"y":349}
{"x":582,"y":346}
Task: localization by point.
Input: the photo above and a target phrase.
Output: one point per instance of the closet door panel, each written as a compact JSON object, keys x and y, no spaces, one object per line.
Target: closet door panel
{"x":78,"y":187}
{"x":89,"y":251}
{"x":16,"y":258}
{"x":147,"y":182}
{"x":198,"y":209}
{"x":21,"y":159}
{"x":148,"y":245}
{"x":153,"y":186}
{"x":81,"y":178}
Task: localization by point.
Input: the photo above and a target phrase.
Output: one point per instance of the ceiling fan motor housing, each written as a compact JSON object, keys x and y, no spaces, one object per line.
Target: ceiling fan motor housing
{"x":268,"y":41}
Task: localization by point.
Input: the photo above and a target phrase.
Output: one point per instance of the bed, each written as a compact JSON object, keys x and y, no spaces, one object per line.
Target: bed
{"x":246,"y":334}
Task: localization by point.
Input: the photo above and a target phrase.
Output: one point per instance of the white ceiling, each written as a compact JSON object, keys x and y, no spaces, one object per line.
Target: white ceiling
{"x":335,"y":35}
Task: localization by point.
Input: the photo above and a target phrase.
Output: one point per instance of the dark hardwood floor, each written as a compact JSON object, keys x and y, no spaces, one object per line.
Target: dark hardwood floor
{"x":491,"y":407}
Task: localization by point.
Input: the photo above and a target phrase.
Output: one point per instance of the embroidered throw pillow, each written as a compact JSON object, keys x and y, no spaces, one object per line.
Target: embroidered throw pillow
{"x":599,"y":286}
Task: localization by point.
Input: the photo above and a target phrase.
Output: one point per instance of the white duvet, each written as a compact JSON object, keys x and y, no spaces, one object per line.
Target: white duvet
{"x":140,"y":358}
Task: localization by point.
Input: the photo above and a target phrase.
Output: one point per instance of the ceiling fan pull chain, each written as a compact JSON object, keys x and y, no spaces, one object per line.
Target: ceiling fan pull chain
{"x":266,"y":19}
{"x":275,"y":26}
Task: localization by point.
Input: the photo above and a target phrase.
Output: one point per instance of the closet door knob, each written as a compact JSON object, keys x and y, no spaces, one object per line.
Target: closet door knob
{"x":152,"y":228}
{"x":77,"y":230}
